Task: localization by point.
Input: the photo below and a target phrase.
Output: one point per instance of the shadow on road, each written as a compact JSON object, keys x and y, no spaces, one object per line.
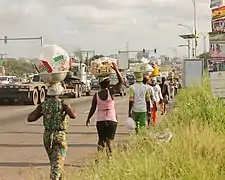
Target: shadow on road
{"x":41,"y":145}
{"x":73,"y":133}
{"x":33,"y":164}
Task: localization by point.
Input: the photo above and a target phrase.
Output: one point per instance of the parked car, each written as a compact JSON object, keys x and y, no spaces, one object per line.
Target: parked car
{"x":113,"y":81}
{"x":130,"y":79}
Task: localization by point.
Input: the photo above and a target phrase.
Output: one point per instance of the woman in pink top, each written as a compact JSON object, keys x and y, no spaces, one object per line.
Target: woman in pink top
{"x":104,"y":102}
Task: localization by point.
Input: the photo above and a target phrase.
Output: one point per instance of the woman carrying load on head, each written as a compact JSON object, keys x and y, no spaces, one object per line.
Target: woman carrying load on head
{"x":55,"y":121}
{"x":104,"y":102}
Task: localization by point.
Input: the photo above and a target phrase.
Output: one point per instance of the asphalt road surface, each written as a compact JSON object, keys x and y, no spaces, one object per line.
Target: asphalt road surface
{"x":23,"y":156}
{"x":22,"y":153}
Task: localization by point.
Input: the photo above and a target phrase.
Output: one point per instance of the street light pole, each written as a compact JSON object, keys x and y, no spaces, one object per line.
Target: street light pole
{"x":175,"y":51}
{"x":195,"y":25}
{"x":192,"y":41}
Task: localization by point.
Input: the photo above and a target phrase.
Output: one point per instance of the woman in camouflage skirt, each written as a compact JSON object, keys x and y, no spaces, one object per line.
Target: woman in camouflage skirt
{"x":54,"y":112}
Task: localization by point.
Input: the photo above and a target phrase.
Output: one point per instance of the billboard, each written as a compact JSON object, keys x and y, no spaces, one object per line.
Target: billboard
{"x":218,"y":13}
{"x":215,"y":3}
{"x":218,"y":25}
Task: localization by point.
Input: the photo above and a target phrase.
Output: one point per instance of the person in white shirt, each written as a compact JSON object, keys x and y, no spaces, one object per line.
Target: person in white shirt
{"x":152,"y":97}
{"x":158,"y":97}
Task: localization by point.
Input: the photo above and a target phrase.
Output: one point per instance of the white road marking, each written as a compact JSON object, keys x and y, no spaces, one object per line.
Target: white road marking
{"x":121,"y":100}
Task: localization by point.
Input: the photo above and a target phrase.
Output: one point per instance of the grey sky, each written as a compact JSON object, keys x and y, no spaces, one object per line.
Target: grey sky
{"x":103,"y":25}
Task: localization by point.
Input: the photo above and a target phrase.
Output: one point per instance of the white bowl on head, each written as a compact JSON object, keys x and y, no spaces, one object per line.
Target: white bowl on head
{"x":54,"y":77}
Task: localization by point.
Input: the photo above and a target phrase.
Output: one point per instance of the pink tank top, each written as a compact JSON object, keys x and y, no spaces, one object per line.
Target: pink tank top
{"x":106,"y":109}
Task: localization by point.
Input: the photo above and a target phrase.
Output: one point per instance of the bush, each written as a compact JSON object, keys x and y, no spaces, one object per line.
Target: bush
{"x":196,"y":152}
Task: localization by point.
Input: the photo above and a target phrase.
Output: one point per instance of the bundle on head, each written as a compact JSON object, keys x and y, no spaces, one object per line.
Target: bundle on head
{"x":138,"y":76}
{"x":55,"y":89}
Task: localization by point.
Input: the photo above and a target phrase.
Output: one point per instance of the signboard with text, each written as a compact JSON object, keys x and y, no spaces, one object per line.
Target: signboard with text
{"x":218,"y":25}
{"x":218,"y":84}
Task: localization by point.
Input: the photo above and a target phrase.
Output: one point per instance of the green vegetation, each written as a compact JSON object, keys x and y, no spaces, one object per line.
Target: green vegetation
{"x":196,"y":151}
{"x":17,"y":67}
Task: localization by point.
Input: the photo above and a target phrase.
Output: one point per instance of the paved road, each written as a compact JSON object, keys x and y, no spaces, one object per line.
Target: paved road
{"x":22,"y":154}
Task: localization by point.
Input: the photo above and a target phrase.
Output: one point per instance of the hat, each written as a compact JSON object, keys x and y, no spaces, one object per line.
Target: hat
{"x":138,"y":76}
{"x":152,"y":63}
{"x":55,"y":89}
{"x":101,"y":79}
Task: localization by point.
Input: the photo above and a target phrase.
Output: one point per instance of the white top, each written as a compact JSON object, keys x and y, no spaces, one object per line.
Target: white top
{"x":140,"y":93}
{"x":152,"y":95}
{"x":158,"y":93}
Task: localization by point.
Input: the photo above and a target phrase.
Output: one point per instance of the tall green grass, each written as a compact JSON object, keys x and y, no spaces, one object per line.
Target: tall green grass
{"x":197,"y":151}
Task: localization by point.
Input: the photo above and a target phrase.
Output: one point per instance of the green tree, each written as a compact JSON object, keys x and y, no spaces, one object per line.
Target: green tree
{"x":205,"y":57}
{"x":17,"y":67}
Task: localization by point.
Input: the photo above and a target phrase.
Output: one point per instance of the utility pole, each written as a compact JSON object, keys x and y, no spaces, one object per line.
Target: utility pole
{"x":188,"y":46}
{"x":190,"y":28}
{"x":195,"y":26}
{"x":6,"y":39}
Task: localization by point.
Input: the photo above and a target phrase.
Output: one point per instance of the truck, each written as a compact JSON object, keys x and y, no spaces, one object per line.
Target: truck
{"x":34,"y":91}
{"x":113,"y":81}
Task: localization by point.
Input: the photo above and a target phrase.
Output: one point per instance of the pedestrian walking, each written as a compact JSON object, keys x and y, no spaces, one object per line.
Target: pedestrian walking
{"x":159,"y":99}
{"x":54,"y":112}
{"x":165,"y":94}
{"x":152,"y":98}
{"x":139,"y":102}
{"x":104,"y":102}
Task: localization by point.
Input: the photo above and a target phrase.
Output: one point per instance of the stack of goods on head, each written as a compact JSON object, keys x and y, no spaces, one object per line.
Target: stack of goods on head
{"x":139,"y":67}
{"x":102,"y":67}
{"x":53,"y":64}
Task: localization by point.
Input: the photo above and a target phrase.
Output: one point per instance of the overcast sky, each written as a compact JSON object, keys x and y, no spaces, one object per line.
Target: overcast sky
{"x":102,"y":25}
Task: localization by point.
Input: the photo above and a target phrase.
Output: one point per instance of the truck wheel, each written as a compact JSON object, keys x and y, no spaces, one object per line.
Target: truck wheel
{"x":35,"y":97}
{"x":75,"y":94}
{"x":121,"y":94}
{"x":42,"y":95}
{"x":125,"y":92}
{"x":79,"y":91}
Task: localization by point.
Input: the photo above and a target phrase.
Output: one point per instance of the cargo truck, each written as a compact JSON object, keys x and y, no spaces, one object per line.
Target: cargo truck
{"x":34,"y":91}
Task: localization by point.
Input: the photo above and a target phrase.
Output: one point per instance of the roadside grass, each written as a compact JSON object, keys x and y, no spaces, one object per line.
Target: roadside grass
{"x":196,"y":152}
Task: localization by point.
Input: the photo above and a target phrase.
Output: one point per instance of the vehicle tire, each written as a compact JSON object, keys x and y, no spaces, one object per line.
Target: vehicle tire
{"x":88,"y":93}
{"x":76,"y":91}
{"x":35,"y":97}
{"x":121,"y":94}
{"x":42,"y":95}
{"x":79,"y":91}
{"x":125,"y":92}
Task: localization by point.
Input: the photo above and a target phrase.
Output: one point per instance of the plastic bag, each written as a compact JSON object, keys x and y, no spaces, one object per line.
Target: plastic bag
{"x":130,"y":124}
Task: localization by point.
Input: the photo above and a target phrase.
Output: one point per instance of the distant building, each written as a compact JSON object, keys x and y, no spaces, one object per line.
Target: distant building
{"x":142,"y":55}
{"x":113,"y":56}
